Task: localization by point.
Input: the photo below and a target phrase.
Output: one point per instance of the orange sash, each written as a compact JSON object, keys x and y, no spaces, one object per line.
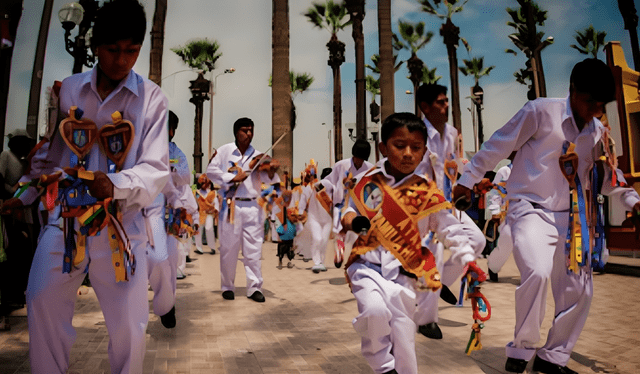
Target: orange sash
{"x":394,"y":214}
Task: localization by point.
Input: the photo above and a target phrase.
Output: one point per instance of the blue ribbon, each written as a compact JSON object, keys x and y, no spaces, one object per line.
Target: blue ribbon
{"x":582,"y":208}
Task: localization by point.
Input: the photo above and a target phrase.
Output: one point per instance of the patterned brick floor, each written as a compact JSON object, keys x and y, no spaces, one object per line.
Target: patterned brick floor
{"x":305,"y":327}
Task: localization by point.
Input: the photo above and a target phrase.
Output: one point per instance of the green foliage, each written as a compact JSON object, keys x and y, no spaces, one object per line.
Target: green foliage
{"x":475,"y":68}
{"x":329,"y":16}
{"x":429,"y":75}
{"x":450,"y":7}
{"x":373,"y":86}
{"x":298,"y":82}
{"x":376,"y":63}
{"x":199,"y":54}
{"x":413,"y":36}
{"x":590,"y":41}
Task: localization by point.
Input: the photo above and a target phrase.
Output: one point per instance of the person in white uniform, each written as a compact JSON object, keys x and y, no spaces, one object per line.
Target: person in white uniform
{"x":384,"y":290}
{"x":208,"y":208}
{"x":497,"y":204}
{"x":354,"y":166}
{"x":110,"y":86}
{"x":231,"y":168}
{"x":441,"y":143}
{"x":539,"y":196}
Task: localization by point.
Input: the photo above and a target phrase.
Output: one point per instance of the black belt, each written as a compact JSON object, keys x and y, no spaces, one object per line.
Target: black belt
{"x":244,"y":198}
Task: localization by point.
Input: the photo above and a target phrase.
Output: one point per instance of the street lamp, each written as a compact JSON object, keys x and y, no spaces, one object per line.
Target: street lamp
{"x":81,"y":14}
{"x":214,"y":85}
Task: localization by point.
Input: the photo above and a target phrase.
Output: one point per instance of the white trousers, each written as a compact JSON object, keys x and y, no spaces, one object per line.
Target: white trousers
{"x":162,"y":271}
{"x":211,"y":238}
{"x":246,"y":233}
{"x":427,"y":301}
{"x":319,"y":225}
{"x":183,"y":247}
{"x":302,"y":241}
{"x":503,"y":250}
{"x":51,"y":299}
{"x":385,"y":323}
{"x":539,"y":251}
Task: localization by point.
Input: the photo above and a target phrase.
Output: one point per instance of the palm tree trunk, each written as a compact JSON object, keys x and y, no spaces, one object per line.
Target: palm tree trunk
{"x":12,"y":11}
{"x":157,"y":42}
{"x":450,"y":33}
{"x":356,"y":10}
{"x":480,"y":126}
{"x":387,"y":98}
{"x":337,"y":113}
{"x":281,"y":101}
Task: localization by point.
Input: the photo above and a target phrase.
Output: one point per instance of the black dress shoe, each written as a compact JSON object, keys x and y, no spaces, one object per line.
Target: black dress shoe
{"x":515,"y":365}
{"x":430,"y":330}
{"x":493,"y":276}
{"x":228,"y":295}
{"x":169,"y":320}
{"x":189,"y":259}
{"x":448,"y":296}
{"x":257,"y":297}
{"x":391,"y":372}
{"x":544,"y":366}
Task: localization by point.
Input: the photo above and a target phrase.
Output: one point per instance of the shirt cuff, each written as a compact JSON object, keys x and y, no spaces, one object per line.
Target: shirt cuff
{"x":467,"y":180}
{"x":120,"y":190}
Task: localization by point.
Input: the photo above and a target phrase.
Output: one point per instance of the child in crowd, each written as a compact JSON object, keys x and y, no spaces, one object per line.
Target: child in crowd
{"x":383,"y":279}
{"x":208,"y":208}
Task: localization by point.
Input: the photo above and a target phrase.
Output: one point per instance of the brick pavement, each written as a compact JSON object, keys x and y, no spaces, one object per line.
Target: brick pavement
{"x":305,"y":327}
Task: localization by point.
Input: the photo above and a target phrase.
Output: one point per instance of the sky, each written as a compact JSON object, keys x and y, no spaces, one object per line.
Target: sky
{"x":243,"y":30}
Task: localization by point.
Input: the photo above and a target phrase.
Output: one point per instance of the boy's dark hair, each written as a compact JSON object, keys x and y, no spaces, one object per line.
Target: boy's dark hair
{"x":428,"y":93}
{"x":173,"y":120}
{"x":594,"y":77}
{"x":325,"y":172}
{"x":397,"y":120}
{"x":242,"y":122}
{"x":119,"y":20}
{"x":361,"y":149}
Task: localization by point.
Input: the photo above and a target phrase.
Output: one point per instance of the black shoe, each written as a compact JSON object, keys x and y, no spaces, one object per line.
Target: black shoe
{"x":391,"y":372}
{"x":448,"y":296}
{"x":189,"y":259}
{"x":515,"y":365}
{"x":257,"y":297}
{"x":228,"y":295}
{"x":430,"y":330}
{"x":493,"y":276}
{"x":213,"y":251}
{"x":544,"y":366}
{"x":169,"y":320}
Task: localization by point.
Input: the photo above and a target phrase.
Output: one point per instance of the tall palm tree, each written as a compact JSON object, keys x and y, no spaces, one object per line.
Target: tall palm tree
{"x":200,"y":54}
{"x":429,"y":75}
{"x":330,"y":16}
{"x":530,"y":41}
{"x":356,"y":12}
{"x":451,"y":36}
{"x":589,"y":41}
{"x":377,"y":62}
{"x":157,"y":42}
{"x":414,"y":38}
{"x":298,"y":83}
{"x":475,"y":68}
{"x":385,"y":36}
{"x":280,"y":94}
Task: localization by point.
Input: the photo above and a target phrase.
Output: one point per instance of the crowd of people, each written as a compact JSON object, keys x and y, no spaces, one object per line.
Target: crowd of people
{"x":400,"y":216}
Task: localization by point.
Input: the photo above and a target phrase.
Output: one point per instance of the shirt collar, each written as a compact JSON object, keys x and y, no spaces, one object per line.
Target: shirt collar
{"x":379,"y":168}
{"x":249,"y":151}
{"x":590,"y":127}
{"x":130,"y":82}
{"x":431,"y":130}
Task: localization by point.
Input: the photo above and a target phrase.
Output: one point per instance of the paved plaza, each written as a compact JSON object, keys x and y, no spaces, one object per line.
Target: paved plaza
{"x":305,"y":326}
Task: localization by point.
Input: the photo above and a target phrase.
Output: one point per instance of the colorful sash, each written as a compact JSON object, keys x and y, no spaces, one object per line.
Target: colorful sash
{"x":394,"y":214}
{"x":325,"y":201}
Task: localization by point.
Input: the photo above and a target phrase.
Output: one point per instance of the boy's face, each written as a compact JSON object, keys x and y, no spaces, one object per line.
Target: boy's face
{"x":404,"y":151}
{"x":584,"y":107}
{"x":437,"y":112}
{"x":117,"y":60}
{"x":244,"y":136}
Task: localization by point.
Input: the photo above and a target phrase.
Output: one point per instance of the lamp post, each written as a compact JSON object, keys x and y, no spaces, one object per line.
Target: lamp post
{"x":79,"y":14}
{"x":214,"y":85}
{"x":200,"y":92}
{"x":329,"y":137}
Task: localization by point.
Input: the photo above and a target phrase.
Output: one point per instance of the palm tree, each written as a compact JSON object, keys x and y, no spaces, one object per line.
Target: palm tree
{"x":356,"y":12}
{"x":280,"y":94}
{"x":589,"y":41}
{"x":201,"y":55}
{"x":298,"y":83}
{"x":157,"y":42}
{"x":451,"y":35}
{"x":525,"y":20}
{"x":330,"y":16}
{"x":377,"y":62}
{"x":385,"y":36}
{"x":475,"y":68}
{"x":414,"y":38}
{"x":429,"y":75}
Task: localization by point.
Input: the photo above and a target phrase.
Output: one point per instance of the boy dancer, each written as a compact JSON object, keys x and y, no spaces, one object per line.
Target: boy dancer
{"x":383,"y":279}
{"x":539,"y":196}
{"x":241,"y":219}
{"x":441,"y":143}
{"x":208,"y":208}
{"x":111,"y":86}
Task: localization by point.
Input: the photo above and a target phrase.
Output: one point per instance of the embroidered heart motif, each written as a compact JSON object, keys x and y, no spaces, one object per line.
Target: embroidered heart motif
{"x":116,"y":139}
{"x":78,"y":134}
{"x":451,"y":170}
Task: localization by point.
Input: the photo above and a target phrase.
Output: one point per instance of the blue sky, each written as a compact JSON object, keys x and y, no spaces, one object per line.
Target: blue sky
{"x":243,"y":30}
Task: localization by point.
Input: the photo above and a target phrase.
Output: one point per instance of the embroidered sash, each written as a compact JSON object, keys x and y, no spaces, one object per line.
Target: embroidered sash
{"x":394,"y":214}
